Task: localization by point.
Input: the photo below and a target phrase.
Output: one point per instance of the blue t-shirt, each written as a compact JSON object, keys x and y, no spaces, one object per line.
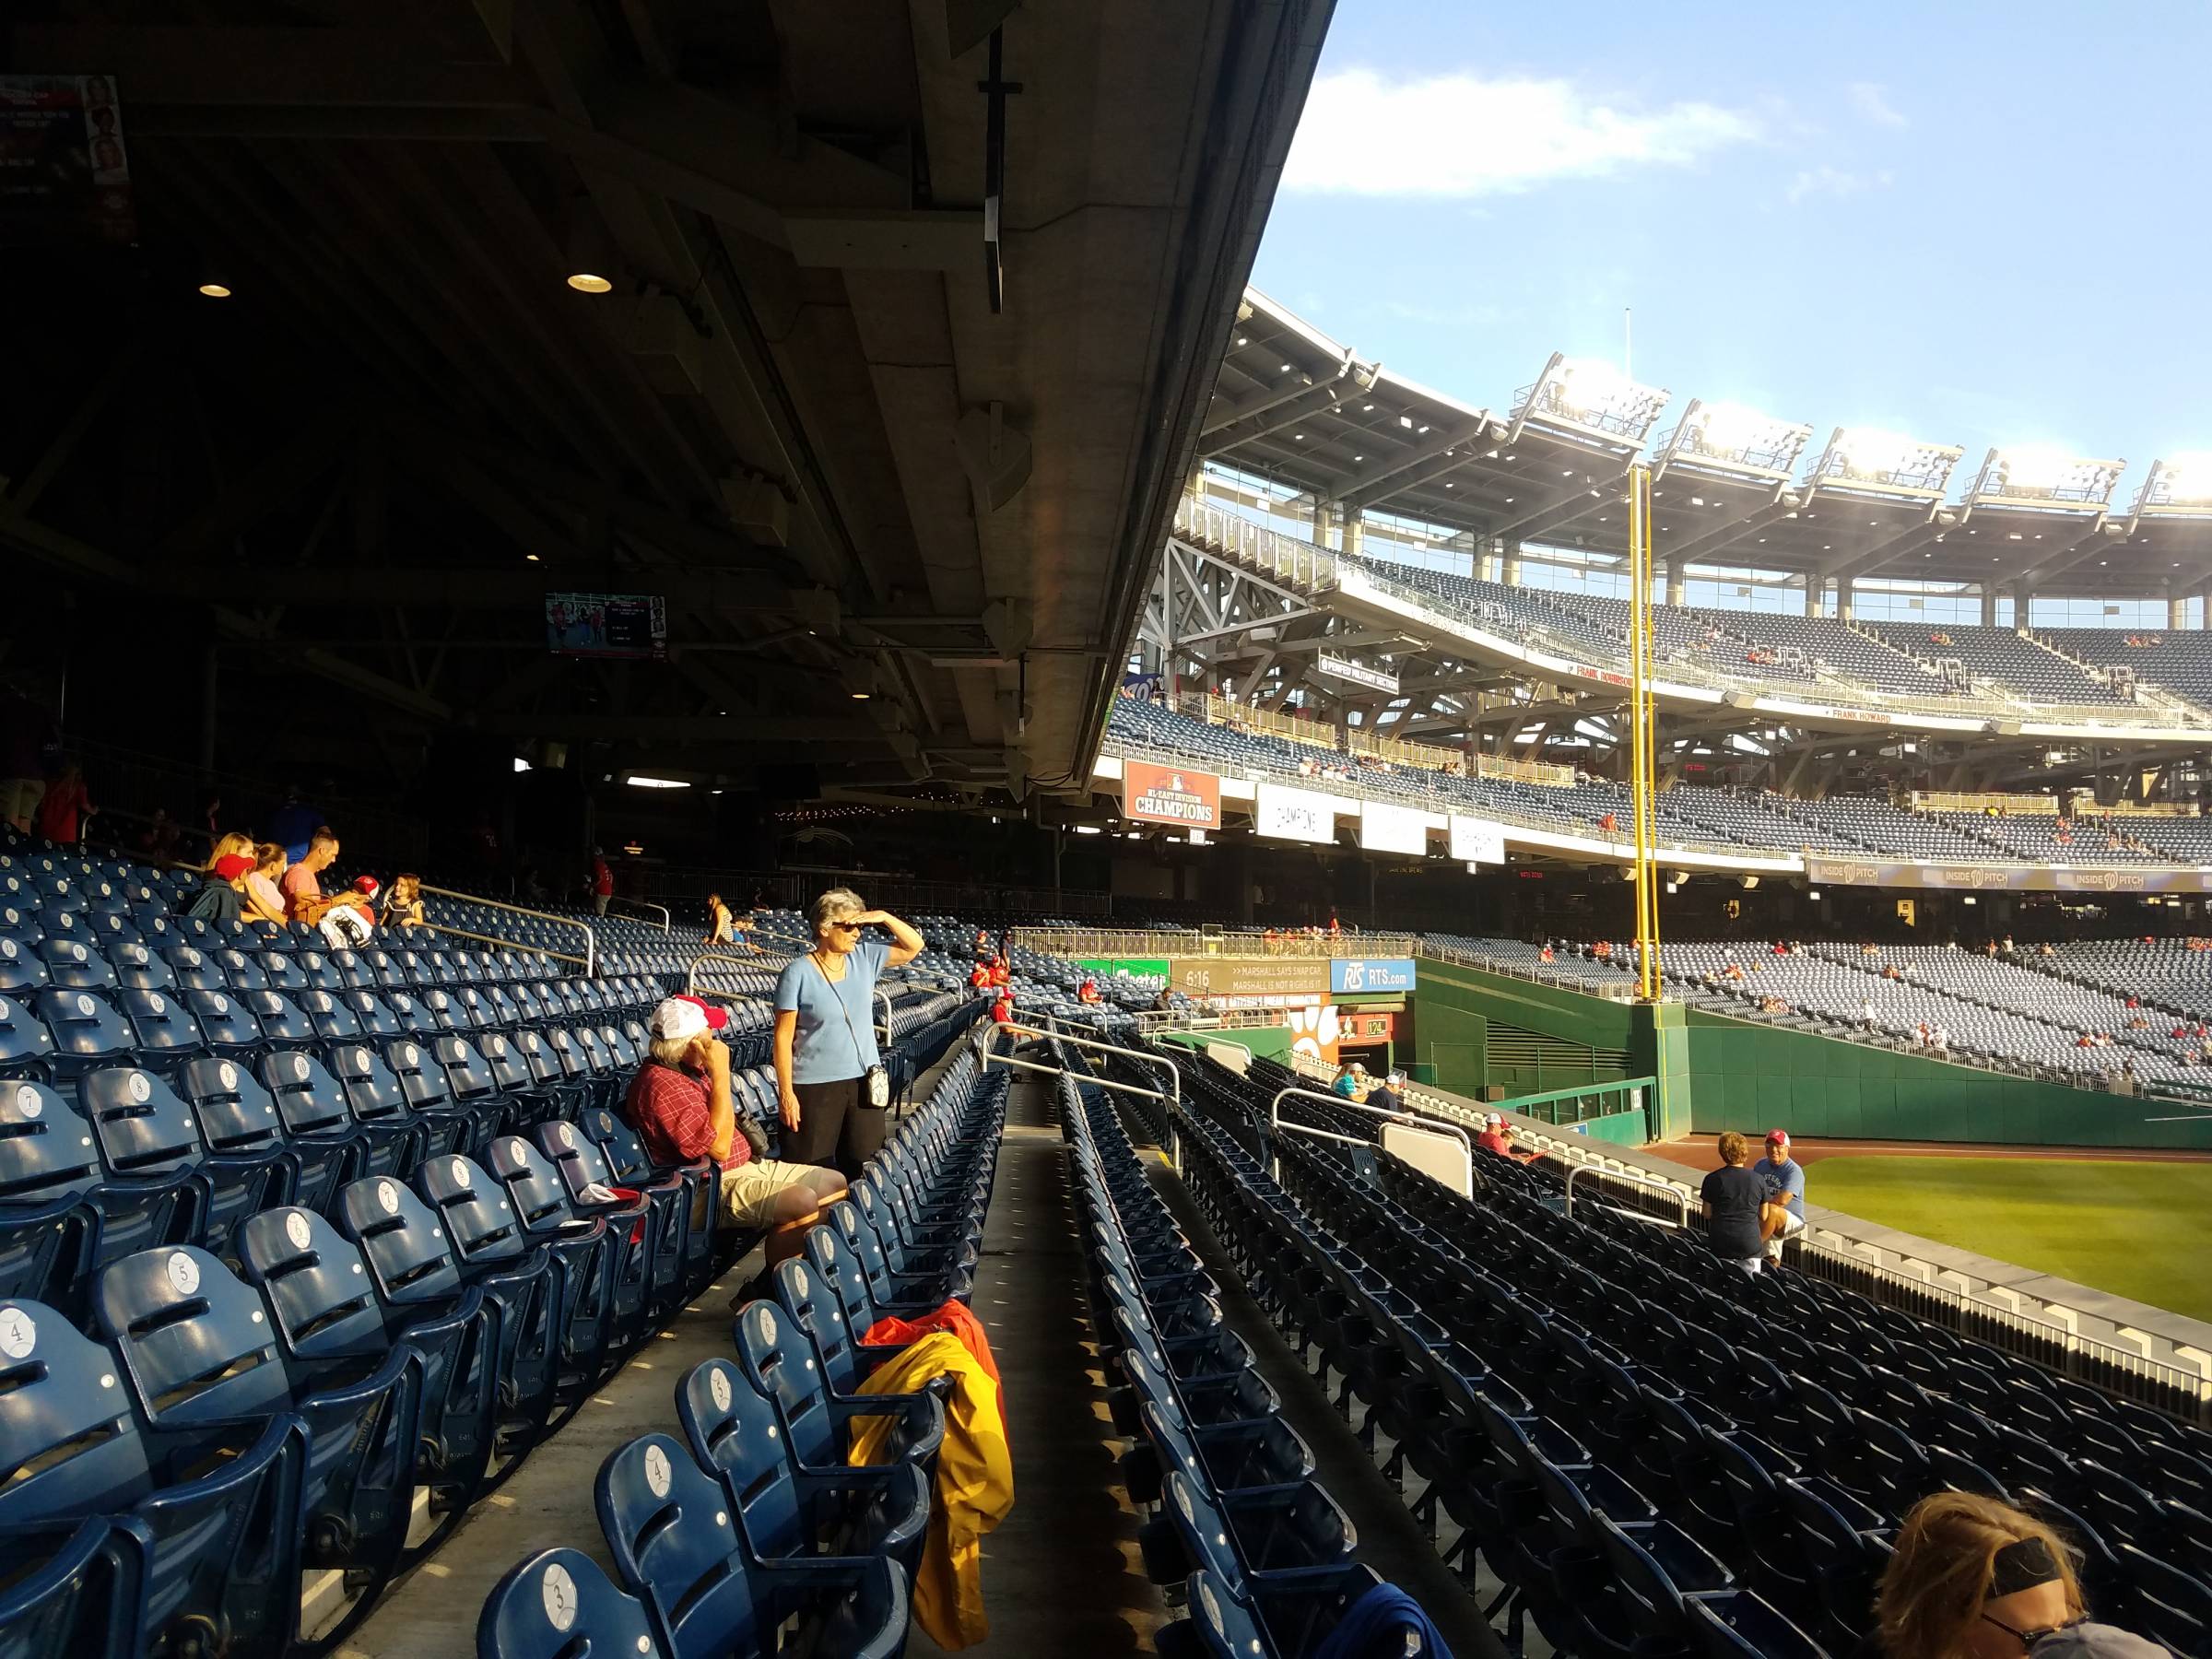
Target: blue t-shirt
{"x":821,"y":1051}
{"x":1786,"y":1182}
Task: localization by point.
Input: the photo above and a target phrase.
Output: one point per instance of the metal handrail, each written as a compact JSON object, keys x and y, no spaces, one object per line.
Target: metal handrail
{"x":1175,"y":1075}
{"x":691,"y":975}
{"x":591,"y":947}
{"x":668,"y":920}
{"x":1668,"y":1188}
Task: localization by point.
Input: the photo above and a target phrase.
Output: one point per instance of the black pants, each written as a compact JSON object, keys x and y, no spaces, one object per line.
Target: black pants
{"x":837,"y":1126}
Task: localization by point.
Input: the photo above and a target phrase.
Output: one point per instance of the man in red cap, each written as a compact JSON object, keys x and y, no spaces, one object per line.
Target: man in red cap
{"x":682,"y":1108}
{"x":1783,"y":1178}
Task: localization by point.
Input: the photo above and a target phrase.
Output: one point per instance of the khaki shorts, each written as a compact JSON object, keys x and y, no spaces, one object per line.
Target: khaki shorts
{"x":749,"y":1192}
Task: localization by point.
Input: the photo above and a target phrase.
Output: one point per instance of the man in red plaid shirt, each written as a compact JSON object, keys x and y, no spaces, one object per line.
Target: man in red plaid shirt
{"x":681,"y":1106}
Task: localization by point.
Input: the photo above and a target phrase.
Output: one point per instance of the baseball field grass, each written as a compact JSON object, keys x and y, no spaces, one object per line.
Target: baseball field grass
{"x":2142,"y":1230}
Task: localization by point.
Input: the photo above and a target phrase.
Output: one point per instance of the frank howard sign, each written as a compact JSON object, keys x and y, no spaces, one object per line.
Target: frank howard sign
{"x":1286,"y":813}
{"x":1387,"y":828}
{"x":1476,"y":841}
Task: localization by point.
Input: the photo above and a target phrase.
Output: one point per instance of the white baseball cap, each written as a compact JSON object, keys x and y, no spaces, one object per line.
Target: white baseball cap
{"x":1494,"y":1120}
{"x":679,"y":1020}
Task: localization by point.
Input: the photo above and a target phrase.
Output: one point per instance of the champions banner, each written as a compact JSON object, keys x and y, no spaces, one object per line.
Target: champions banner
{"x":2007,"y":879}
{"x":1170,"y":795}
{"x":1387,"y":828}
{"x":1286,"y":813}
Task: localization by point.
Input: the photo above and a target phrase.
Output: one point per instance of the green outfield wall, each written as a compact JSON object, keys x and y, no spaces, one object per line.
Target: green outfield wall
{"x":1716,"y":1073}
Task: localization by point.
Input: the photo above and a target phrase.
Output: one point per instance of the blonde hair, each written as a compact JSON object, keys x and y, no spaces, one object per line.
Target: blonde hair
{"x":1942,"y":1566}
{"x":233,"y":846}
{"x":1735,"y":1148}
{"x":672,"y":1050}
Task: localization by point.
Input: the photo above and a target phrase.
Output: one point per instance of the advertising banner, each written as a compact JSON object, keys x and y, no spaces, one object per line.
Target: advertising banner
{"x":1478,"y":841}
{"x":1370,"y":976}
{"x":1170,"y":795}
{"x":607,"y":624}
{"x":1252,"y":982}
{"x":1357,"y":674}
{"x":1387,"y":828}
{"x":2010,"y":878}
{"x":1286,"y":813}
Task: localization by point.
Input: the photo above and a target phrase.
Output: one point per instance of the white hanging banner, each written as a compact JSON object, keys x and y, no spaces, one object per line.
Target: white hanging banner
{"x":1360,"y":674}
{"x":1478,"y":841}
{"x":1387,"y":828}
{"x":1299,"y":815}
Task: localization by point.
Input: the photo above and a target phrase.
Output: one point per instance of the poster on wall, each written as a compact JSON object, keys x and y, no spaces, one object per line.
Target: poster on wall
{"x":1478,"y":841}
{"x":1170,"y":795}
{"x":1370,"y":976}
{"x":1387,"y":828}
{"x":1286,"y":813}
{"x":1233,"y":983}
{"x":65,"y":174}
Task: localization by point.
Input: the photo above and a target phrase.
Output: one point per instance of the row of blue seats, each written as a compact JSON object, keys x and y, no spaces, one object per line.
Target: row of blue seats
{"x":754,"y":1534}
{"x":1263,"y":1553}
{"x":122,"y":1158}
{"x":60,"y":1032}
{"x":1780,"y":1467}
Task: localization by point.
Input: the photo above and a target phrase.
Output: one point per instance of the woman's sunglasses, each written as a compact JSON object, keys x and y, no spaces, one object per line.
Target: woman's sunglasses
{"x":2028,"y":1639}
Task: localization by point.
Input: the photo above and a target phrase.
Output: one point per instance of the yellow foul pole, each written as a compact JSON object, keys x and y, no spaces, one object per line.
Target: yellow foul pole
{"x":1643,"y":732}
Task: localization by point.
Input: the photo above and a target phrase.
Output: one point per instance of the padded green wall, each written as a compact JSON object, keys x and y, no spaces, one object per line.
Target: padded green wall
{"x":1455,"y":1007}
{"x":1717,"y":1072}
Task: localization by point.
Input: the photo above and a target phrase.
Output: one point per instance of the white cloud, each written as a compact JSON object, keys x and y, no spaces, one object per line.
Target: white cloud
{"x":1868,"y":99}
{"x":1835,"y":182}
{"x":1461,"y":135}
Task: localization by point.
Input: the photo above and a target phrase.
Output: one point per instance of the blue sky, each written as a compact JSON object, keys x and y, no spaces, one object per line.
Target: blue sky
{"x":1975,"y":224}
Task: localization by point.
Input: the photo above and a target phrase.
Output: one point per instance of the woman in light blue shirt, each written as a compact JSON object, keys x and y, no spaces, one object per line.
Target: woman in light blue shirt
{"x":825,"y":1032}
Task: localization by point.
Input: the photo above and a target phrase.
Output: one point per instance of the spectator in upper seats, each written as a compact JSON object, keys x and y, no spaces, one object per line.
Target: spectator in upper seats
{"x":303,"y":888}
{"x":1088,"y":992}
{"x":403,"y":903}
{"x":681,"y":1106}
{"x":1969,"y":1577}
{"x":721,"y":926}
{"x":30,"y":733}
{"x":1002,"y":975}
{"x":1388,"y":1095}
{"x":222,"y":886}
{"x":293,"y":825}
{"x":1783,"y":1178}
{"x":64,"y":806}
{"x":264,"y":897}
{"x":825,"y":1034}
{"x":979,"y":978}
{"x":1165,"y":1001}
{"x":158,"y":839}
{"x":1002,"y":1007}
{"x":603,"y":881}
{"x":1733,"y":1202}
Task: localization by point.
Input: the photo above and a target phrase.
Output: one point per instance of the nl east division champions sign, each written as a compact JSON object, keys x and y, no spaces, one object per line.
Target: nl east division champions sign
{"x":1170,"y":795}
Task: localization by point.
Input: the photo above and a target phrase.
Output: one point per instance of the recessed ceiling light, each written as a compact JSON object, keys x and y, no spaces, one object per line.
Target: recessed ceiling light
{"x":1286,"y":368}
{"x":1241,"y":340}
{"x":590,"y":282}
{"x":215,"y":290}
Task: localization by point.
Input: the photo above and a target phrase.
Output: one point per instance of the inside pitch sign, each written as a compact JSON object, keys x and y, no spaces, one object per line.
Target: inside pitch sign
{"x":1170,"y":795}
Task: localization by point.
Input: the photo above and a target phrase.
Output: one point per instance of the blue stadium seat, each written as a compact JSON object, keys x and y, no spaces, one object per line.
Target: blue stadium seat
{"x":785,"y":1513}
{"x":49,"y":1171}
{"x":559,"y":1604}
{"x":201,"y":1357}
{"x":224,"y":1571}
{"x":85,"y":1597}
{"x":669,"y":1526}
{"x":781,"y":1363}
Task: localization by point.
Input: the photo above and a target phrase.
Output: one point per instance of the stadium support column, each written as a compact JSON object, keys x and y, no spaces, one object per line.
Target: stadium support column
{"x":1354,"y":536}
{"x":1487,"y":562}
{"x":2177,"y":607}
{"x":1843,"y":597}
{"x":2204,"y":600}
{"x":1676,"y":586}
{"x":1989,"y":604}
{"x":1326,"y":517}
{"x":1815,"y":585}
{"x":1509,"y":564}
{"x":2023,"y":606}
